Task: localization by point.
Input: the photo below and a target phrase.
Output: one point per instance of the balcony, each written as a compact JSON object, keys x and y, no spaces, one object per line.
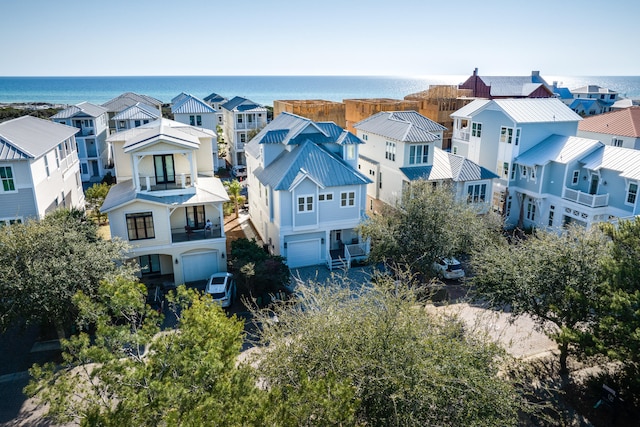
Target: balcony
{"x":149,"y":183}
{"x":179,"y":235}
{"x":586,"y":199}
{"x":462,"y":134}
{"x":86,"y":131}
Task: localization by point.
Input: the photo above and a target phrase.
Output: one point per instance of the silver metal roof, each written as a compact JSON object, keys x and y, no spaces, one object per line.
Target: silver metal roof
{"x":189,"y":104}
{"x":623,"y":160}
{"x":161,"y":130}
{"x":523,"y":110}
{"x":471,"y":108}
{"x":139,"y":111}
{"x":84,"y":109}
{"x":31,"y":137}
{"x":447,"y":166}
{"x":559,"y":149}
{"x":405,"y":126}
{"x":128,"y":99}
{"x":208,"y":190}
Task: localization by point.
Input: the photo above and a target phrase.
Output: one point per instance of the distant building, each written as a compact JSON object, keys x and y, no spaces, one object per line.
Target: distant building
{"x":126,"y":100}
{"x":39,"y":169}
{"x":135,"y":116}
{"x":215,"y":100}
{"x":496,"y":87}
{"x":242,"y":119}
{"x":93,"y":152}
{"x":592,"y":99}
{"x":620,"y":128}
{"x":318,"y":110}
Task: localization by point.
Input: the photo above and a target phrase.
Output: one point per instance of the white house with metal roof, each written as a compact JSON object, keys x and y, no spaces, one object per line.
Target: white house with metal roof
{"x":241,"y":117}
{"x":39,"y":169}
{"x":93,"y":152}
{"x":165,"y":194}
{"x":126,"y":100}
{"x":405,"y":146}
{"x":568,"y":179}
{"x":492,"y":133}
{"x":306,"y":196}
{"x":215,"y":100}
{"x":136,"y":115}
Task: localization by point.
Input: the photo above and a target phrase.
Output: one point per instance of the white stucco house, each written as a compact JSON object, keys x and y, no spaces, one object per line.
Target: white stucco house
{"x":241,"y":117}
{"x":404,"y":146}
{"x":492,"y":133}
{"x":306,"y":196}
{"x":126,"y":100}
{"x":39,"y":169}
{"x":136,"y":115}
{"x":93,"y":152}
{"x":165,"y":194}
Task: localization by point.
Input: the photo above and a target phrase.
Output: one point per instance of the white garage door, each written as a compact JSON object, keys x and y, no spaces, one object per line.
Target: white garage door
{"x":300,"y":254}
{"x":199,"y":266}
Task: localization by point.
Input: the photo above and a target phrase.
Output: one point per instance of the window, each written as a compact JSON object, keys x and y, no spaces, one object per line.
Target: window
{"x":11,"y":221}
{"x":149,"y":264}
{"x":380,"y":180}
{"x":476,"y":129}
{"x":6,"y":175}
{"x":325,"y":197}
{"x":524,"y":171}
{"x":122,"y":124}
{"x":513,"y":173}
{"x":533,"y":173}
{"x":199,"y":120}
{"x":305,"y":204}
{"x":616,"y":142}
{"x":390,"y":151}
{"x":632,"y":192}
{"x":476,"y":193}
{"x":418,"y":154}
{"x":239,"y":119}
{"x":508,"y":208}
{"x":46,"y":165}
{"x":136,"y":123}
{"x":455,"y":149}
{"x":145,"y":121}
{"x":506,"y":134}
{"x":517,"y":139}
{"x":195,"y":217}
{"x":243,"y":138}
{"x":140,"y":226}
{"x":575,"y":178}
{"x":192,"y":120}
{"x":505,"y":170}
{"x":347,"y":199}
{"x":57,"y":158}
{"x":531,"y":209}
{"x":365,"y":137}
{"x":551,"y":214}
{"x":351,"y":152}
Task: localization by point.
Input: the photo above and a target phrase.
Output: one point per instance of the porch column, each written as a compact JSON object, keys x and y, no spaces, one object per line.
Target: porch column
{"x":194,"y":174}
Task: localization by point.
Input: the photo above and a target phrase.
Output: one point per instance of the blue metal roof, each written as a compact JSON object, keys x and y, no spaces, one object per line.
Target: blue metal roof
{"x":189,"y":104}
{"x":214,"y":97}
{"x":241,"y":104}
{"x":417,"y":172}
{"x":310,"y":160}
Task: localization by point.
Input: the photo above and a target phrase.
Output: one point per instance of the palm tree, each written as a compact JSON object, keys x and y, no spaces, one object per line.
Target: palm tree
{"x":234,"y":188}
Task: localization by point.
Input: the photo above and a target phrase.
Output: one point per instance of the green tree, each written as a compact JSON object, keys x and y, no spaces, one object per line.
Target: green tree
{"x":131,"y":374}
{"x":552,"y":276}
{"x":43,"y":263}
{"x":395,"y":362}
{"x":427,"y":223}
{"x":258,"y":271}
{"x":234,"y":189}
{"x":95,"y":196}
{"x":617,"y":330}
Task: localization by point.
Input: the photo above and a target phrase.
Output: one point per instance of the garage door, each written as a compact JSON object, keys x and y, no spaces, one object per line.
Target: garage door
{"x":300,"y":254}
{"x":199,"y":266}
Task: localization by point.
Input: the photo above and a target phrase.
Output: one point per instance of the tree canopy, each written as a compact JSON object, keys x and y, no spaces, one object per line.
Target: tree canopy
{"x":256,"y":270}
{"x":394,"y":362}
{"x":427,"y":223}
{"x":43,"y":263}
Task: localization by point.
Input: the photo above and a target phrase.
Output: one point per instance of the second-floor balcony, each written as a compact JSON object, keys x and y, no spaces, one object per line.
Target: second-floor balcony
{"x":179,"y":235}
{"x":86,"y":131}
{"x":586,"y":199}
{"x":179,"y":182}
{"x":462,"y":134}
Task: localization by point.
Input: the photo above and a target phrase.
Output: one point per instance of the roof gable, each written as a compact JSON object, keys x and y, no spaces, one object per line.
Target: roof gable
{"x":161,"y":130}
{"x":190,"y":104}
{"x":31,"y":137}
{"x":404,"y":126}
{"x":139,"y":111}
{"x":84,"y":109}
{"x":558,"y":149}
{"x":626,"y":161}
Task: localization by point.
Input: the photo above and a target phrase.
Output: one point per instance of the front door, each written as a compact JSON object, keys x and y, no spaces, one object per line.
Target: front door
{"x":164,"y":169}
{"x":593,"y":189}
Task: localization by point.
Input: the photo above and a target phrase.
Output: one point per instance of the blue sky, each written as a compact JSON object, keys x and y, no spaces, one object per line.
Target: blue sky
{"x":319,"y":37}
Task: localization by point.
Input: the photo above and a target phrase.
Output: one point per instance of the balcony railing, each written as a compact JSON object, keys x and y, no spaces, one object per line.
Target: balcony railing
{"x":592,"y":200}
{"x":149,"y":183}
{"x":86,"y":131}
{"x":462,"y":134}
{"x":181,"y":235}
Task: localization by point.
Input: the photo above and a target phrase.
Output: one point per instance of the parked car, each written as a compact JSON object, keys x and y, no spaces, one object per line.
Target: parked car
{"x":239,"y":171}
{"x":449,"y":268}
{"x":222,"y":288}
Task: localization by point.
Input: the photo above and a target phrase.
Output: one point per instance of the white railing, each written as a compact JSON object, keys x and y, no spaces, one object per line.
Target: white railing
{"x":461,"y":134}
{"x":592,"y":200}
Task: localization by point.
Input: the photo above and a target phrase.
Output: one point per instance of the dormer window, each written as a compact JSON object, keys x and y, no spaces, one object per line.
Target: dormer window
{"x":350,"y":152}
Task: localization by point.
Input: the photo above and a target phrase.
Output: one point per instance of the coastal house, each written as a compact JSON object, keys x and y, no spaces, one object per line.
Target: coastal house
{"x":126,"y":100}
{"x":242,"y":119}
{"x":405,"y":146}
{"x":306,"y":196}
{"x":137,"y":115}
{"x":216,"y":102}
{"x":39,"y":169}
{"x":592,"y":99}
{"x":491,"y":133}
{"x":619,"y":128}
{"x":193,"y":111}
{"x":496,"y":87}
{"x":165,"y":195}
{"x":93,"y":152}
{"x":567,"y":179}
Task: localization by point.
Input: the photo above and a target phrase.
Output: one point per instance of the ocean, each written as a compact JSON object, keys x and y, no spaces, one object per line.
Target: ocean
{"x":260,"y":89}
